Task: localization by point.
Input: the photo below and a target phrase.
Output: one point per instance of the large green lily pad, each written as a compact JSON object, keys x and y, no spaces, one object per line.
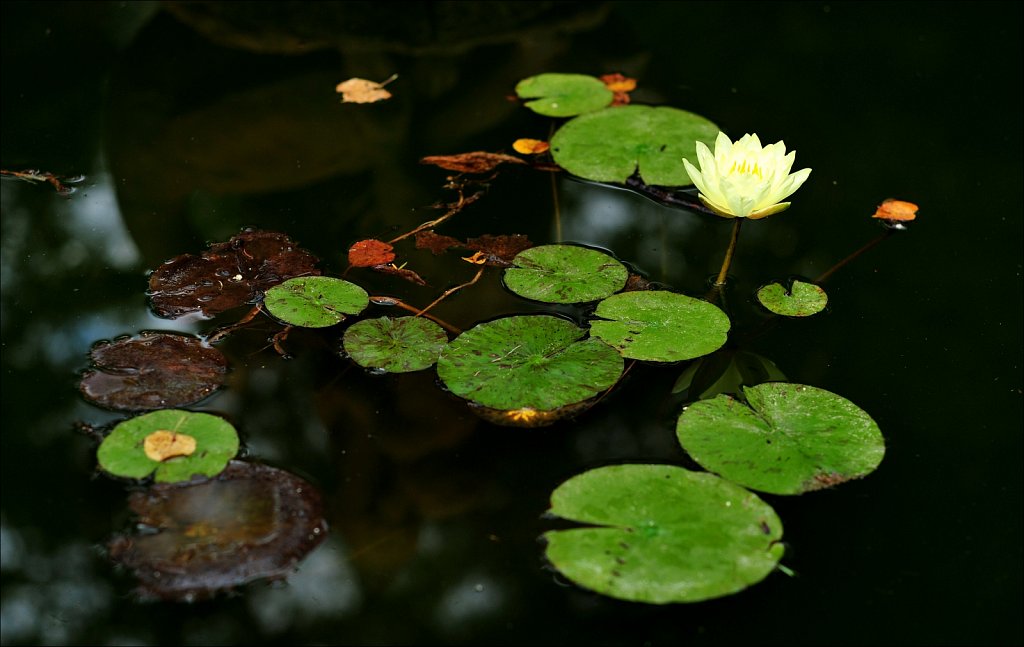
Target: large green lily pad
{"x":564,"y":95}
{"x":565,"y":274}
{"x":528,"y":362}
{"x":315,"y":301}
{"x":611,"y":144}
{"x":213,"y":439}
{"x":659,"y":326}
{"x":664,"y":534}
{"x":789,"y":440}
{"x":399,"y":345}
{"x":801,"y":300}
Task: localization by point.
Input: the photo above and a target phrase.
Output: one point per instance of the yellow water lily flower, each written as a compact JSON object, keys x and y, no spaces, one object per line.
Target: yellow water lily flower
{"x":744,"y":180}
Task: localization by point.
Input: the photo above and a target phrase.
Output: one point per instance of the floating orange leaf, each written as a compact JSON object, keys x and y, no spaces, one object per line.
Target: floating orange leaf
{"x":620,"y":85}
{"x":530,"y":146}
{"x":370,"y":252}
{"x":896,"y":211}
{"x":475,"y":162}
{"x":357,"y":90}
{"x":479,"y":258}
{"x":161,"y":445}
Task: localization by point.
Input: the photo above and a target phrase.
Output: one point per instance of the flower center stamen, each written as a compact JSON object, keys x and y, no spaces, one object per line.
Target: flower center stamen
{"x":746,"y":168}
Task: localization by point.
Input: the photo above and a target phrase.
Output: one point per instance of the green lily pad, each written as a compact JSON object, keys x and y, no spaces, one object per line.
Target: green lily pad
{"x":213,"y":439}
{"x":665,"y":534}
{"x":660,"y":326}
{"x":564,"y":95}
{"x":789,"y":440}
{"x":802,"y":300}
{"x":399,"y":345}
{"x":565,"y":274}
{"x":612,"y":144}
{"x":528,"y":362}
{"x":315,"y":301}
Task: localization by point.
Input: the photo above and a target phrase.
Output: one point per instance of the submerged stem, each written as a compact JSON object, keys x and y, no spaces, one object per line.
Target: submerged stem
{"x":392,"y":301}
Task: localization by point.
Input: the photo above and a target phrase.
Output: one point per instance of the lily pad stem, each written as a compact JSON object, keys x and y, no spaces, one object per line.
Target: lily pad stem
{"x":444,"y":296}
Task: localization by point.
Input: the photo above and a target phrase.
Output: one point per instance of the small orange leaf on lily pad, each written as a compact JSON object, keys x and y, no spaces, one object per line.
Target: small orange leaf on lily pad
{"x":357,"y":90}
{"x":530,"y":146}
{"x":896,"y":211}
{"x":371,"y":252}
{"x":162,"y":444}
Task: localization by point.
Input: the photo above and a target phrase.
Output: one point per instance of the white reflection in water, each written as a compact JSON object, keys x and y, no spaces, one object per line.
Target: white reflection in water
{"x":94,"y":224}
{"x":325,"y":587}
{"x":476,"y":598}
{"x":58,"y":596}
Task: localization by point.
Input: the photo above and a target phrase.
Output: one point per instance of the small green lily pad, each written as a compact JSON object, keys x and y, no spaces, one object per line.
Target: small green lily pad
{"x":802,"y":300}
{"x":528,"y":362}
{"x":789,"y":440}
{"x":315,"y":301}
{"x":659,"y":326}
{"x":124,"y":452}
{"x":665,"y":534}
{"x":565,"y":274}
{"x":399,"y":345}
{"x":564,"y":95}
{"x":612,"y":144}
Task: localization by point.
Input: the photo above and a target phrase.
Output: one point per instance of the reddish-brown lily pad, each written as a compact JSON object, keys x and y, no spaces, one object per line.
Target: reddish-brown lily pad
{"x":475,"y":162}
{"x":248,"y":523}
{"x":499,"y":250}
{"x":227,"y":275}
{"x":152,"y":371}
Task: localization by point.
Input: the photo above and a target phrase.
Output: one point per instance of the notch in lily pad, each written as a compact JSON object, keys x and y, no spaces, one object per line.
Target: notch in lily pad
{"x":661,"y":534}
{"x":176,"y":445}
{"x":565,"y":274}
{"x":400,"y":345}
{"x":802,"y":299}
{"x":612,"y":144}
{"x":660,"y":326}
{"x":315,"y":301}
{"x":564,"y":95}
{"x":535,"y":363}
{"x":788,"y":438}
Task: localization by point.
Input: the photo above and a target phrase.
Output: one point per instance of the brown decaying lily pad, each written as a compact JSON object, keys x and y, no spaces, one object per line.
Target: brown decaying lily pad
{"x":228,"y":274}
{"x":499,"y":250}
{"x":370,"y":252}
{"x":152,"y":371}
{"x":250,"y":522}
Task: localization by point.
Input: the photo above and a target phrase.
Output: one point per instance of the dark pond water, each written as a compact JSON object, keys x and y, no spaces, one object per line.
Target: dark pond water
{"x":189,"y":127}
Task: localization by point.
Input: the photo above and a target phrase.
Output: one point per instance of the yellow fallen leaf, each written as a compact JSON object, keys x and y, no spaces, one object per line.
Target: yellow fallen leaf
{"x":357,"y":90}
{"x":161,"y":445}
{"x":530,"y":146}
{"x":896,"y":210}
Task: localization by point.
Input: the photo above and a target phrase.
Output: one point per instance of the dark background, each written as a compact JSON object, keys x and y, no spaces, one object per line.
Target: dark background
{"x":190,"y":121}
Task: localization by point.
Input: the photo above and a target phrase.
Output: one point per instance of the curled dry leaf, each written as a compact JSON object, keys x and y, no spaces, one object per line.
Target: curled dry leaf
{"x":400,"y":272}
{"x":530,"y":146}
{"x":32,"y":175}
{"x":367,"y":253}
{"x":358,"y":90}
{"x":227,"y":275}
{"x":475,"y":162}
